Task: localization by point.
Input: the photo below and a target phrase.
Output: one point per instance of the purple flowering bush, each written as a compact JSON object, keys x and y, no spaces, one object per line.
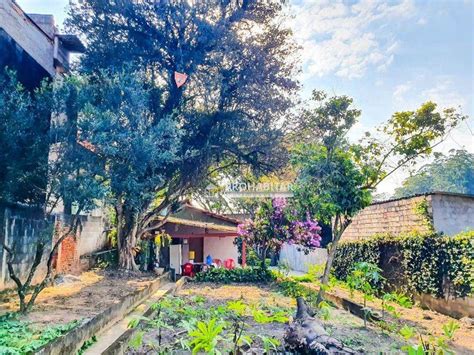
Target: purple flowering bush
{"x":275,"y":223}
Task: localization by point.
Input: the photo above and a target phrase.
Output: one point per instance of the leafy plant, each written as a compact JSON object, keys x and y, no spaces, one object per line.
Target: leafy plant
{"x":397,"y":298}
{"x":136,"y":340}
{"x":450,"y":328}
{"x":269,"y":344}
{"x":238,"y":307}
{"x":19,"y":337}
{"x":87,"y":344}
{"x":324,"y":310}
{"x":362,"y":278}
{"x":205,"y":337}
{"x":261,"y":317}
{"x":247,"y":274}
{"x":407,"y":332}
{"x":431,"y":345}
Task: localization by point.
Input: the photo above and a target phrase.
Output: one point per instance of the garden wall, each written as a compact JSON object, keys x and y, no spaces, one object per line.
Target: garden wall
{"x":298,"y":260}
{"x":436,"y":270}
{"x":21,"y":227}
{"x":450,"y":213}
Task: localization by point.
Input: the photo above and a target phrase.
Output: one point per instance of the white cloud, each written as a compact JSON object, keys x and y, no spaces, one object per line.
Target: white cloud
{"x":400,"y":91}
{"x":346,"y":39}
{"x":444,"y":94}
{"x":422,"y":21}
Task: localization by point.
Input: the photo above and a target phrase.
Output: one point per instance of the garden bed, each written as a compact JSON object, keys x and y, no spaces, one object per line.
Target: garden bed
{"x":265,"y":315}
{"x":61,"y":308}
{"x":428,"y":322}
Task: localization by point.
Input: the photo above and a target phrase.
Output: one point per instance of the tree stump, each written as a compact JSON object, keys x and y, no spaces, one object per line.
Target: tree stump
{"x":306,"y":334}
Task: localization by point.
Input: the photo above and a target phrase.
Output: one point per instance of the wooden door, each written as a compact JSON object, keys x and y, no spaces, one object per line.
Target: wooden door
{"x":197,"y":245}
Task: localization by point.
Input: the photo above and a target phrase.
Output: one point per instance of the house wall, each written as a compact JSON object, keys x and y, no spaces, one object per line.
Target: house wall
{"x":452,"y":214}
{"x":393,"y":217}
{"x":27,"y":35}
{"x":221,"y":248}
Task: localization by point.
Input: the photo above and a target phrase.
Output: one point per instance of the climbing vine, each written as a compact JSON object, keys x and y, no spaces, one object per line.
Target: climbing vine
{"x":429,"y":263}
{"x":422,"y":209}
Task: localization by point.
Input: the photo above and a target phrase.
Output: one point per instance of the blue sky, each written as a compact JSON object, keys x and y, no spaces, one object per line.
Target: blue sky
{"x":387,"y":55}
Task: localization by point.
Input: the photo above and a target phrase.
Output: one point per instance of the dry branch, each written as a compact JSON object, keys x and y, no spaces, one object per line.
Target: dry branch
{"x":306,"y":335}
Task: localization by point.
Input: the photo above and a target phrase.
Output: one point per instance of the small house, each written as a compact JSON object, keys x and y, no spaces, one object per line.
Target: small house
{"x":197,"y":234}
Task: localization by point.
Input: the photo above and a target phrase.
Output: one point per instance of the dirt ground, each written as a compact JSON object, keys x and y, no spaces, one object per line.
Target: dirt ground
{"x":93,"y":292}
{"x":341,"y":325}
{"x":428,"y":322}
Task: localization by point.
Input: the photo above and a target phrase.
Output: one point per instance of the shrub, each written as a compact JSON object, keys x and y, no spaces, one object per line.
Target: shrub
{"x":431,"y":264}
{"x":247,"y":274}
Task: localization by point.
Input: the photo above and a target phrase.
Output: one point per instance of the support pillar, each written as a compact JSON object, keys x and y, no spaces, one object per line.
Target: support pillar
{"x":244,"y":253}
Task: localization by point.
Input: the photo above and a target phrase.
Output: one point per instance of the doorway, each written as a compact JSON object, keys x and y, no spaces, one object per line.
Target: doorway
{"x":197,"y":245}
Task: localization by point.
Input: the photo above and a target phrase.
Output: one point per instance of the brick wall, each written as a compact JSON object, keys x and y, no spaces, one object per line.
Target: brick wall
{"x":451,"y":214}
{"x":392,"y":217}
{"x":67,"y":257}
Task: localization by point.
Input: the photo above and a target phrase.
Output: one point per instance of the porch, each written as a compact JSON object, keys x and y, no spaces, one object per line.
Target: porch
{"x":199,"y":235}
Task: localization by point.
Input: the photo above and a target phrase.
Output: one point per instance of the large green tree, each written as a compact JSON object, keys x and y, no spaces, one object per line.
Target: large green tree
{"x":447,"y":173}
{"x":139,"y":149}
{"x":239,"y":57}
{"x":24,"y":124}
{"x":336,"y":177}
{"x":73,"y":173}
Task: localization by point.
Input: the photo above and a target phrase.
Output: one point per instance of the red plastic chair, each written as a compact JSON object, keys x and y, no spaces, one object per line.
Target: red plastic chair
{"x":188,"y":270}
{"x":217,"y":262}
{"x":229,"y":264}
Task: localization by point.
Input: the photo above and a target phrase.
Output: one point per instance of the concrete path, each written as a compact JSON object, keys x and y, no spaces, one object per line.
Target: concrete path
{"x":109,"y":335}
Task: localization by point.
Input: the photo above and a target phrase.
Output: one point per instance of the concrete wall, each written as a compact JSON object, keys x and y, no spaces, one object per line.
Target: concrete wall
{"x":221,"y":248}
{"x":93,"y":236}
{"x":452,"y":213}
{"x":21,"y":228}
{"x":27,"y":35}
{"x":298,"y":260}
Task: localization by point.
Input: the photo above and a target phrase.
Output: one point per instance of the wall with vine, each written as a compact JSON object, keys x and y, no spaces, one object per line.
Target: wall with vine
{"x":418,"y":263}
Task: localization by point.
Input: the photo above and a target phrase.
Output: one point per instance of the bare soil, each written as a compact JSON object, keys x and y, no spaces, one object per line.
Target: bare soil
{"x":426,"y":321}
{"x":83,"y":299}
{"x":341,"y":325}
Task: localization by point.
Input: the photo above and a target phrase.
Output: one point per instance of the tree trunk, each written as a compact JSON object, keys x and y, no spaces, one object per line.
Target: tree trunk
{"x":263,"y":256}
{"x":126,"y":237}
{"x":306,"y":335}
{"x":331,"y":253}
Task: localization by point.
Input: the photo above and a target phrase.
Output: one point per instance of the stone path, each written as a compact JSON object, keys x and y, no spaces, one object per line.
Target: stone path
{"x":109,"y":335}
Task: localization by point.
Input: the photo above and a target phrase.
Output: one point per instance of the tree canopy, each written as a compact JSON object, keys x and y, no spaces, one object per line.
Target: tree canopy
{"x":24,"y":124}
{"x":239,"y":58}
{"x":447,"y":173}
{"x":336,"y":178}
